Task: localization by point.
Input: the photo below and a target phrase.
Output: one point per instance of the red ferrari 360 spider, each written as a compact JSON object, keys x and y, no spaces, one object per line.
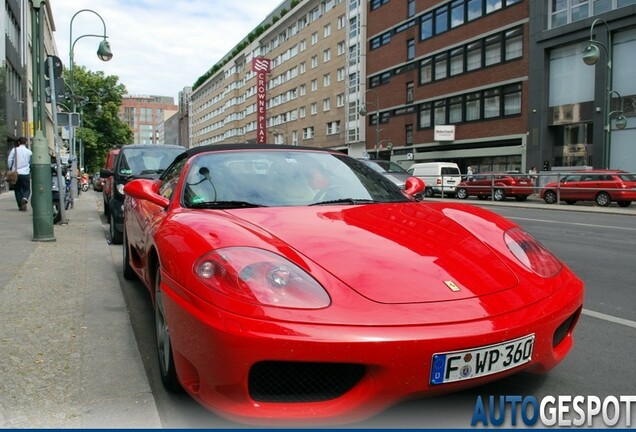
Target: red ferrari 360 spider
{"x":298,"y":284}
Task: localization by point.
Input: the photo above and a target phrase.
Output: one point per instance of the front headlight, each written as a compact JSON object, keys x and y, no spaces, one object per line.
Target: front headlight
{"x":260,"y":277}
{"x":531,"y":253}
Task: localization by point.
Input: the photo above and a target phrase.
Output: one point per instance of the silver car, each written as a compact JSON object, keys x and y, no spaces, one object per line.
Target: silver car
{"x":390,"y":170}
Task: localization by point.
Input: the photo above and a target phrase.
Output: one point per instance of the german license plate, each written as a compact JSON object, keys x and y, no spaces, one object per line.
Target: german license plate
{"x":478,"y":362}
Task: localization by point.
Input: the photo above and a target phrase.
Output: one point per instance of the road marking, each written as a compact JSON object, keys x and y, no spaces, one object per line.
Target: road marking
{"x":609,"y":318}
{"x":572,"y":223}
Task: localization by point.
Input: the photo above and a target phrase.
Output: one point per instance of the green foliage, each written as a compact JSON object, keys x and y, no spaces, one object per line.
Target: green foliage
{"x":100,"y":131}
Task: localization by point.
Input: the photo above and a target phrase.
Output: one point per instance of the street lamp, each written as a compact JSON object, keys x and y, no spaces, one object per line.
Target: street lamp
{"x":591,"y":55}
{"x":364,"y":112}
{"x":104,"y":53}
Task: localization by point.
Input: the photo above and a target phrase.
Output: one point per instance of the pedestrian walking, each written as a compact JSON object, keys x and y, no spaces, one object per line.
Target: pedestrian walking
{"x":20,"y":155}
{"x":469,"y":173}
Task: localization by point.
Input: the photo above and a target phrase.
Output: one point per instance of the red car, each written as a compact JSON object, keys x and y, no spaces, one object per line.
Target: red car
{"x":600,"y":186}
{"x":107,"y":181}
{"x":498,"y":185}
{"x":298,"y":285}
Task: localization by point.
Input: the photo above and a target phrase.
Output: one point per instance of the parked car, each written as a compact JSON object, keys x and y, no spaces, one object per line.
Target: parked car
{"x":107,"y":182}
{"x":439,"y":177}
{"x":296,"y":284}
{"x":389,"y":169}
{"x":498,"y":185}
{"x":134,"y":161}
{"x":600,"y":186}
{"x":98,"y":183}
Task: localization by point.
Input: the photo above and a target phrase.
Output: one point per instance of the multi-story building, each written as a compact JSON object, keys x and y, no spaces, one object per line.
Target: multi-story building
{"x":17,"y":71}
{"x":183,"y":134}
{"x":145,"y":115}
{"x":307,"y":90}
{"x":574,"y":106}
{"x":449,"y":80}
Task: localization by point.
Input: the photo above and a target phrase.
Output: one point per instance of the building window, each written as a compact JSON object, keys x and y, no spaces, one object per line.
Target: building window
{"x":512,"y":99}
{"x":426,"y":71}
{"x":514,"y":43}
{"x":493,"y":50}
{"x":410,"y":49}
{"x":457,"y":13}
{"x":314,"y":85}
{"x":408,"y":134}
{"x":313,"y":108}
{"x":302,"y":112}
{"x":440,"y":112}
{"x":326,"y":80}
{"x":326,"y":31}
{"x":410,"y":10}
{"x":473,"y":106}
{"x":457,"y":61}
{"x":333,"y":127}
{"x":314,"y":62}
{"x":314,"y":38}
{"x":455,"y":109}
{"x":326,"y":55}
{"x":425,"y":115}
{"x":308,"y":132}
{"x":441,"y":20}
{"x":326,"y":104}
{"x":475,"y":9}
{"x":340,"y":100}
{"x":426,"y":26}
{"x":409,"y":92}
{"x":492,"y":103}
{"x":441,"y":62}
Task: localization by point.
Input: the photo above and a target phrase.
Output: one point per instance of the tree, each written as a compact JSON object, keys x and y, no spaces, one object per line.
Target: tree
{"x":100,"y":131}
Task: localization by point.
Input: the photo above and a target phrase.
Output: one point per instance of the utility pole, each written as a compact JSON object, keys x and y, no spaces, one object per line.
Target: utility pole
{"x":41,"y":196}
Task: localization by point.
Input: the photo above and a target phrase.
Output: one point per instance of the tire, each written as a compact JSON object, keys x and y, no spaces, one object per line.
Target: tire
{"x":550,"y":197}
{"x":57,"y":215}
{"x":624,"y":203}
{"x":462,"y":193}
{"x":106,"y":209}
{"x":603,"y":199}
{"x":115,"y":235}
{"x":499,"y":195}
{"x":521,"y":198}
{"x":129,"y":273}
{"x":428,"y":193}
{"x":164,"y":347}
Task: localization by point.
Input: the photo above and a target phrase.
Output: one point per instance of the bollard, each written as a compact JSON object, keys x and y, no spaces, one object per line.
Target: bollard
{"x":41,"y":194}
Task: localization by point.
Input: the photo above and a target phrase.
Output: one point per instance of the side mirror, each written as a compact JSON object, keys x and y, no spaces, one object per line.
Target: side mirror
{"x":146,"y":189}
{"x":414,"y":186}
{"x":105,"y":173}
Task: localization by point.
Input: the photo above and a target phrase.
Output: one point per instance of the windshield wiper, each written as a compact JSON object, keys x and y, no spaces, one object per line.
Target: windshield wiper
{"x":224,"y":205}
{"x":352,"y":201}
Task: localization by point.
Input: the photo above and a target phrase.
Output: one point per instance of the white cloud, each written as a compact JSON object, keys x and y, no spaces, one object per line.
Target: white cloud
{"x":159,"y":46}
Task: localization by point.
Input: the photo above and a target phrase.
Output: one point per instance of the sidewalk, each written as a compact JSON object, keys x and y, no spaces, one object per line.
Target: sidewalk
{"x":68,"y":356}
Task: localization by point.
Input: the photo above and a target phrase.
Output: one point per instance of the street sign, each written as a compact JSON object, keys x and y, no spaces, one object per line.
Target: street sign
{"x":57,"y":67}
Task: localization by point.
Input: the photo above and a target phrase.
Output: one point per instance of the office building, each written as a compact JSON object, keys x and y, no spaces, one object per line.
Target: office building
{"x":145,"y":114}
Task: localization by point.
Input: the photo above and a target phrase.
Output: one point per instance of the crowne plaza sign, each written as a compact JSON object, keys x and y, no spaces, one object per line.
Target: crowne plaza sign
{"x":261,"y":67}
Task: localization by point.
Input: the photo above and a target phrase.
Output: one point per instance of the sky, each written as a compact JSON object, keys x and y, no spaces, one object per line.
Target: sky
{"x":159,"y":46}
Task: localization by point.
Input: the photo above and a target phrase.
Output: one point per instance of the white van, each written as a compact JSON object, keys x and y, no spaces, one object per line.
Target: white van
{"x":440,"y":178}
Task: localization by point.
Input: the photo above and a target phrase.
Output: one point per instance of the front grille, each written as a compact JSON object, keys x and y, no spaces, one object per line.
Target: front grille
{"x":275,"y":381}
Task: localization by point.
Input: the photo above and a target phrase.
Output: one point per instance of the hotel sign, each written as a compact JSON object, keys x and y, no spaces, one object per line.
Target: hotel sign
{"x":444,"y":133}
{"x":261,"y":66}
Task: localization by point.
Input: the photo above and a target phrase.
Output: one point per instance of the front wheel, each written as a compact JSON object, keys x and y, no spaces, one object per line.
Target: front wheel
{"x":624,"y":203}
{"x":603,"y":199}
{"x":550,"y":197}
{"x":428,"y":193}
{"x":462,"y":193}
{"x":500,"y":195}
{"x":115,"y":234}
{"x":164,"y":347}
{"x":57,"y":214}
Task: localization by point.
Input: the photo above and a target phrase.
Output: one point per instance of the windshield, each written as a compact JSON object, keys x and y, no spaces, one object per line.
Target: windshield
{"x":148,"y":160}
{"x":283,"y":178}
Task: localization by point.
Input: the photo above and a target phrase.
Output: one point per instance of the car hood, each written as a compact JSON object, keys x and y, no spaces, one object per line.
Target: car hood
{"x":389,"y":253}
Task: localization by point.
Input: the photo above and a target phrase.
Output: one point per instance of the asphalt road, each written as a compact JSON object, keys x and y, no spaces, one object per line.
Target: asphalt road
{"x":598,"y":247}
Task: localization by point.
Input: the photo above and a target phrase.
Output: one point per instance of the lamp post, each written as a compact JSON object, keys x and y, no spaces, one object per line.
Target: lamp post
{"x":591,"y":55}
{"x":105,"y":54}
{"x":364,"y":112}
